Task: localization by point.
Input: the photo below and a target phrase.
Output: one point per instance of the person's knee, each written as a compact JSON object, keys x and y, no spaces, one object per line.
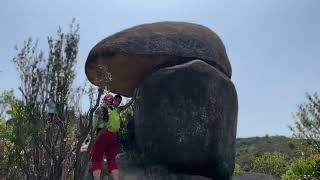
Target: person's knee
{"x":115,"y":174}
{"x":112,"y":164}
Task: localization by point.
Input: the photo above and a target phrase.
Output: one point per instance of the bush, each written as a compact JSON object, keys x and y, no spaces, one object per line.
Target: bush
{"x":307,"y":123}
{"x":126,"y":133}
{"x":275,"y":164}
{"x":237,"y":169}
{"x":304,"y":169}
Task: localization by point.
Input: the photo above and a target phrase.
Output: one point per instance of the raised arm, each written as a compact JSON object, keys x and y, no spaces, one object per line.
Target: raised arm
{"x":121,"y":108}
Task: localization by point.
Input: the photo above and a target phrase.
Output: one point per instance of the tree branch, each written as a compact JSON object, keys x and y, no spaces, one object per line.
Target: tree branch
{"x":83,"y":136}
{"x":24,"y":95}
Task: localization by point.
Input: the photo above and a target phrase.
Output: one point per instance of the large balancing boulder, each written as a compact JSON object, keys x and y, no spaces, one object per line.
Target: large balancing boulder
{"x":122,"y":61}
{"x":186,"y":107}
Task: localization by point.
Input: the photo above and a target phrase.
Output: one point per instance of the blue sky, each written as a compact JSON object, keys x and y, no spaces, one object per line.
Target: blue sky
{"x":273,"y":46}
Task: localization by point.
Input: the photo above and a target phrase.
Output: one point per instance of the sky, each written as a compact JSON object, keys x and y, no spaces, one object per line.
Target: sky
{"x":273,"y":46}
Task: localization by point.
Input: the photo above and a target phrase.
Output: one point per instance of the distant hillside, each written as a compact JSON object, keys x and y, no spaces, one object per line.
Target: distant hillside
{"x":248,"y":148}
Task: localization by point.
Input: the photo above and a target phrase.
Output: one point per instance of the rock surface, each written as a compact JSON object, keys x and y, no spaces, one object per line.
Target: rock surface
{"x":130,"y":171}
{"x":186,"y":117}
{"x":186,"y":109}
{"x":122,"y":61}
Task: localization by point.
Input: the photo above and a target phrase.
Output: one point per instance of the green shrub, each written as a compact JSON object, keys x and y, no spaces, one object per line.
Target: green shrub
{"x":304,"y":169}
{"x":237,"y":169}
{"x":275,"y":164}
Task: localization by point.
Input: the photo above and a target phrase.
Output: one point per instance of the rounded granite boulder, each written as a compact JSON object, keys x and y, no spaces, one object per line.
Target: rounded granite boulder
{"x":186,"y":117}
{"x":186,"y":107}
{"x":122,"y":61}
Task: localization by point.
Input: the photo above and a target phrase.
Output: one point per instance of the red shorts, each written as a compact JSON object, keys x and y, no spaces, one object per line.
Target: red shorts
{"x":106,"y":144}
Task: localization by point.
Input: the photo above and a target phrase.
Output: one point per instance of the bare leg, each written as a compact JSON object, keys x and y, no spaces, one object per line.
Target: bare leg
{"x":97,"y":174}
{"x":115,"y":174}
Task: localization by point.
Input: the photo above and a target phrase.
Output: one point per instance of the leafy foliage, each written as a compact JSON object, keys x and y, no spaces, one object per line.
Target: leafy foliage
{"x":39,"y":145}
{"x":304,"y":169}
{"x":274,"y":164}
{"x":237,"y":169}
{"x":247,"y":149}
{"x":307,"y":124}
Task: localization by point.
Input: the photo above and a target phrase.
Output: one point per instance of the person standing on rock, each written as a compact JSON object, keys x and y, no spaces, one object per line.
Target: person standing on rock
{"x":106,"y":141}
